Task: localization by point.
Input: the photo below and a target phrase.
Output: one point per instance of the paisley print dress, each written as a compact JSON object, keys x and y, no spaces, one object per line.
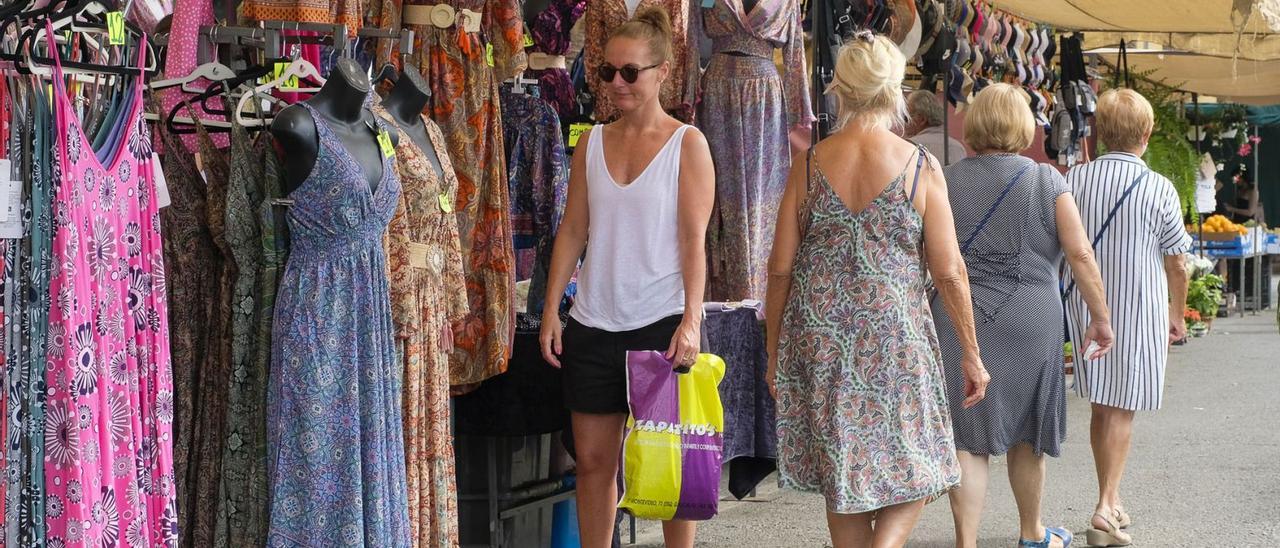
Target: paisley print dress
{"x":862,"y":405}
{"x":428,"y":292}
{"x":108,"y":422}
{"x":335,"y":442}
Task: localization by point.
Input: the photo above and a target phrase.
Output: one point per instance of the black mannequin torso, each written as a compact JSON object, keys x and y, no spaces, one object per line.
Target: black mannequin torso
{"x":341,"y":102}
{"x":405,"y":104}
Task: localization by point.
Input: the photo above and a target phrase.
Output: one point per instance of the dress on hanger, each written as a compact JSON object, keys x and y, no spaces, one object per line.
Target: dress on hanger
{"x":679,"y":92}
{"x":108,"y":446}
{"x":539,"y":173}
{"x":335,"y":442}
{"x":746,"y":113}
{"x":242,"y":497}
{"x":330,"y":12}
{"x":464,"y":102}
{"x":428,"y":293}
{"x":550,"y":33}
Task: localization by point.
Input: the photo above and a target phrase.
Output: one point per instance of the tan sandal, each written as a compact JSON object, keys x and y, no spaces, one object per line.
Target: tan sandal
{"x":1111,"y":536}
{"x":1123,"y":519}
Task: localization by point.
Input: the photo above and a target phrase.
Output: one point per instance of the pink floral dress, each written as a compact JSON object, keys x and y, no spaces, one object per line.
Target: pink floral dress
{"x":108,"y":425}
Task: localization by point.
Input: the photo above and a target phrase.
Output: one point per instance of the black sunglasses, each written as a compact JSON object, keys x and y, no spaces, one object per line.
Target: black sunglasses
{"x":629,"y":73}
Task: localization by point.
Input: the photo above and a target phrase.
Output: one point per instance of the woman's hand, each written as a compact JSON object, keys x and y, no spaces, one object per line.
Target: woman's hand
{"x":975,"y":381}
{"x":1098,"y":332}
{"x":683,"y":351}
{"x":550,"y":337}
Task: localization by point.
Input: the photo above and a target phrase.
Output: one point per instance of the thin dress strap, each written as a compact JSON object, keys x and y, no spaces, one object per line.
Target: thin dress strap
{"x":920,"y":157}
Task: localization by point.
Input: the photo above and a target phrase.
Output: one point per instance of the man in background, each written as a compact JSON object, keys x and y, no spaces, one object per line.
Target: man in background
{"x":924,"y":127}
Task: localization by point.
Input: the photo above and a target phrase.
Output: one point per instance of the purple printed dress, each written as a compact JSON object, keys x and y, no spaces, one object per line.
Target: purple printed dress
{"x":335,"y":441}
{"x":862,"y":404}
{"x":746,"y":111}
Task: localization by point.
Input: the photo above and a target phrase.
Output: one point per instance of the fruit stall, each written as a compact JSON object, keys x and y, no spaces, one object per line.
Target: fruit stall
{"x":1240,"y":247}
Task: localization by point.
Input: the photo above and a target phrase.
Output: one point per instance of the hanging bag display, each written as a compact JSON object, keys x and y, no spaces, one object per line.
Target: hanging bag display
{"x":673,"y":452}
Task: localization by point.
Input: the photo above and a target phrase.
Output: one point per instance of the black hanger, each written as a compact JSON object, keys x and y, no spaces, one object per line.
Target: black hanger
{"x":215,"y":89}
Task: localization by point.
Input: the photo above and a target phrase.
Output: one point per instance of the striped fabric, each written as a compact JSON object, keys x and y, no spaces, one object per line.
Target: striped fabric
{"x":1147,"y":227}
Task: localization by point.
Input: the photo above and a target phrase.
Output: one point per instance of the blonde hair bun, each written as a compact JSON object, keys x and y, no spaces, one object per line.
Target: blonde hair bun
{"x":652,"y":24}
{"x":868,"y":81}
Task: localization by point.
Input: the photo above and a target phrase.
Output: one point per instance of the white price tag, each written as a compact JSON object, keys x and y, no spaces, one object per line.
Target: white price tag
{"x":11,"y":202}
{"x":162,"y":187}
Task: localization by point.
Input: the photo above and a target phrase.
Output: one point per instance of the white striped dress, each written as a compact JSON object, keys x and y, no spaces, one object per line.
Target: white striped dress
{"x":1147,"y":227}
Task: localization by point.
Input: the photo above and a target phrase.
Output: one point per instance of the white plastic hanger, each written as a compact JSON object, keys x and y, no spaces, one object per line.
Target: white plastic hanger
{"x":213,"y":72}
{"x":300,"y":68}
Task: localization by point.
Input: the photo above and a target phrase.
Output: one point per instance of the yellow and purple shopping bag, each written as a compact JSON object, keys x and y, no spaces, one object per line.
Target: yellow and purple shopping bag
{"x":673,"y":453}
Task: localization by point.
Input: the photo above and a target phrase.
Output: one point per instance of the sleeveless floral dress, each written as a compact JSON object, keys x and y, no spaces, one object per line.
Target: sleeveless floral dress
{"x":108,"y":424}
{"x":862,"y":407}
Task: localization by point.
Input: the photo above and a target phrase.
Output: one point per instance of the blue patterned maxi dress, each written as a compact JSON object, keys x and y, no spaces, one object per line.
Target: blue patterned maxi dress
{"x":334,"y":436}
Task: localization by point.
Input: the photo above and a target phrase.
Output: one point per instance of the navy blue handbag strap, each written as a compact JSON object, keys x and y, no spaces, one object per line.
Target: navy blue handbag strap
{"x":992,"y":210}
{"x":987,"y":217}
{"x":920,"y":152}
{"x":1102,"y":230}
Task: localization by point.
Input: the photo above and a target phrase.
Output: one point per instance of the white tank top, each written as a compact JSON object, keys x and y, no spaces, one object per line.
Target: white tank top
{"x":631,"y":276}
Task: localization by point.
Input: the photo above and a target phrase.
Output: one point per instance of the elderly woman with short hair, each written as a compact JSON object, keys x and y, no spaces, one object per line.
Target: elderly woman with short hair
{"x":1014,"y":219}
{"x":1134,"y":218}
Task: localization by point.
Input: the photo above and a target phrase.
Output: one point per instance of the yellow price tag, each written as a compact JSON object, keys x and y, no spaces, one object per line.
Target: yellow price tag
{"x":446,"y":204}
{"x":115,"y":28}
{"x":384,"y":143}
{"x":528,"y":40}
{"x":280,"y":68}
{"x":575,"y":133}
{"x":488,"y":54}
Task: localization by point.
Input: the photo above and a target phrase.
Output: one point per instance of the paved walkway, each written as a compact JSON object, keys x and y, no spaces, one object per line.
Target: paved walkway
{"x":1204,"y":471}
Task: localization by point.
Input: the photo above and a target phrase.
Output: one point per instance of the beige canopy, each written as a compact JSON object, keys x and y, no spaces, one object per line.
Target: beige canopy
{"x":1224,"y":48}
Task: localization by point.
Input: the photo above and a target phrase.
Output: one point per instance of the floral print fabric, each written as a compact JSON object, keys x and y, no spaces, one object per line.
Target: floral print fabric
{"x":464,"y":102}
{"x":336,"y":461}
{"x":859,"y":368}
{"x":428,"y":292}
{"x":538,"y":170}
{"x":108,"y":425}
{"x":242,"y":497}
{"x":550,"y":35}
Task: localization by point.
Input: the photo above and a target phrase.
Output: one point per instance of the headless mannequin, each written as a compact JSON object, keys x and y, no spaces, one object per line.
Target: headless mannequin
{"x":341,"y":102}
{"x":405,"y":103}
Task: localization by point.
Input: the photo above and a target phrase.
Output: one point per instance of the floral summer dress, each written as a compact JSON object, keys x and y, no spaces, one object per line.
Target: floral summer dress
{"x":428,"y":292}
{"x":862,"y":406}
{"x":335,"y":442}
{"x":108,"y":425}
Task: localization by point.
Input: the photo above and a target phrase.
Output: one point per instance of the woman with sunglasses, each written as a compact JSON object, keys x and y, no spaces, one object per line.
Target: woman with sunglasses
{"x":640,"y":196}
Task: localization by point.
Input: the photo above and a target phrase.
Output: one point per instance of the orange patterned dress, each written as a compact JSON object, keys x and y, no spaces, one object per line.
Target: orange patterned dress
{"x":344,"y":12}
{"x":427,"y":294}
{"x":464,"y":102}
{"x":680,"y":91}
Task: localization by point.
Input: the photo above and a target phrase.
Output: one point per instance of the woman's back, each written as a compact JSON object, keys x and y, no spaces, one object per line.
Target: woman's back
{"x":856,"y":331}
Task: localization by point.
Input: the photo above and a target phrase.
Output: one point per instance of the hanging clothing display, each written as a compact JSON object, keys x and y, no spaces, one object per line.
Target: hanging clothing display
{"x":333,"y":12}
{"x":464,"y":102}
{"x":538,"y":171}
{"x":193,"y":264}
{"x":108,"y":424}
{"x":27,"y":301}
{"x":746,"y":113}
{"x":428,"y":293}
{"x":550,"y":34}
{"x":679,"y":92}
{"x":241,"y":506}
{"x":336,"y":461}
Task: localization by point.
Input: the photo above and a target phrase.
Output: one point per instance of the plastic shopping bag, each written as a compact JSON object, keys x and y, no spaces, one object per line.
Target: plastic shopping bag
{"x":673,"y":451}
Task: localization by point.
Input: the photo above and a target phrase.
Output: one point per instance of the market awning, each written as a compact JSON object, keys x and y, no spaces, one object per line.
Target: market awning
{"x":1224,"y":48}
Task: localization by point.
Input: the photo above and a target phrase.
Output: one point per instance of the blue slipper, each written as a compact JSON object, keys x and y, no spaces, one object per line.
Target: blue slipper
{"x":1049,"y":533}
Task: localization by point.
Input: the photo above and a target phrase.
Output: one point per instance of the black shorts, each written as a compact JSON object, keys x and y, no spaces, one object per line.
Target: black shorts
{"x":595,"y":362}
